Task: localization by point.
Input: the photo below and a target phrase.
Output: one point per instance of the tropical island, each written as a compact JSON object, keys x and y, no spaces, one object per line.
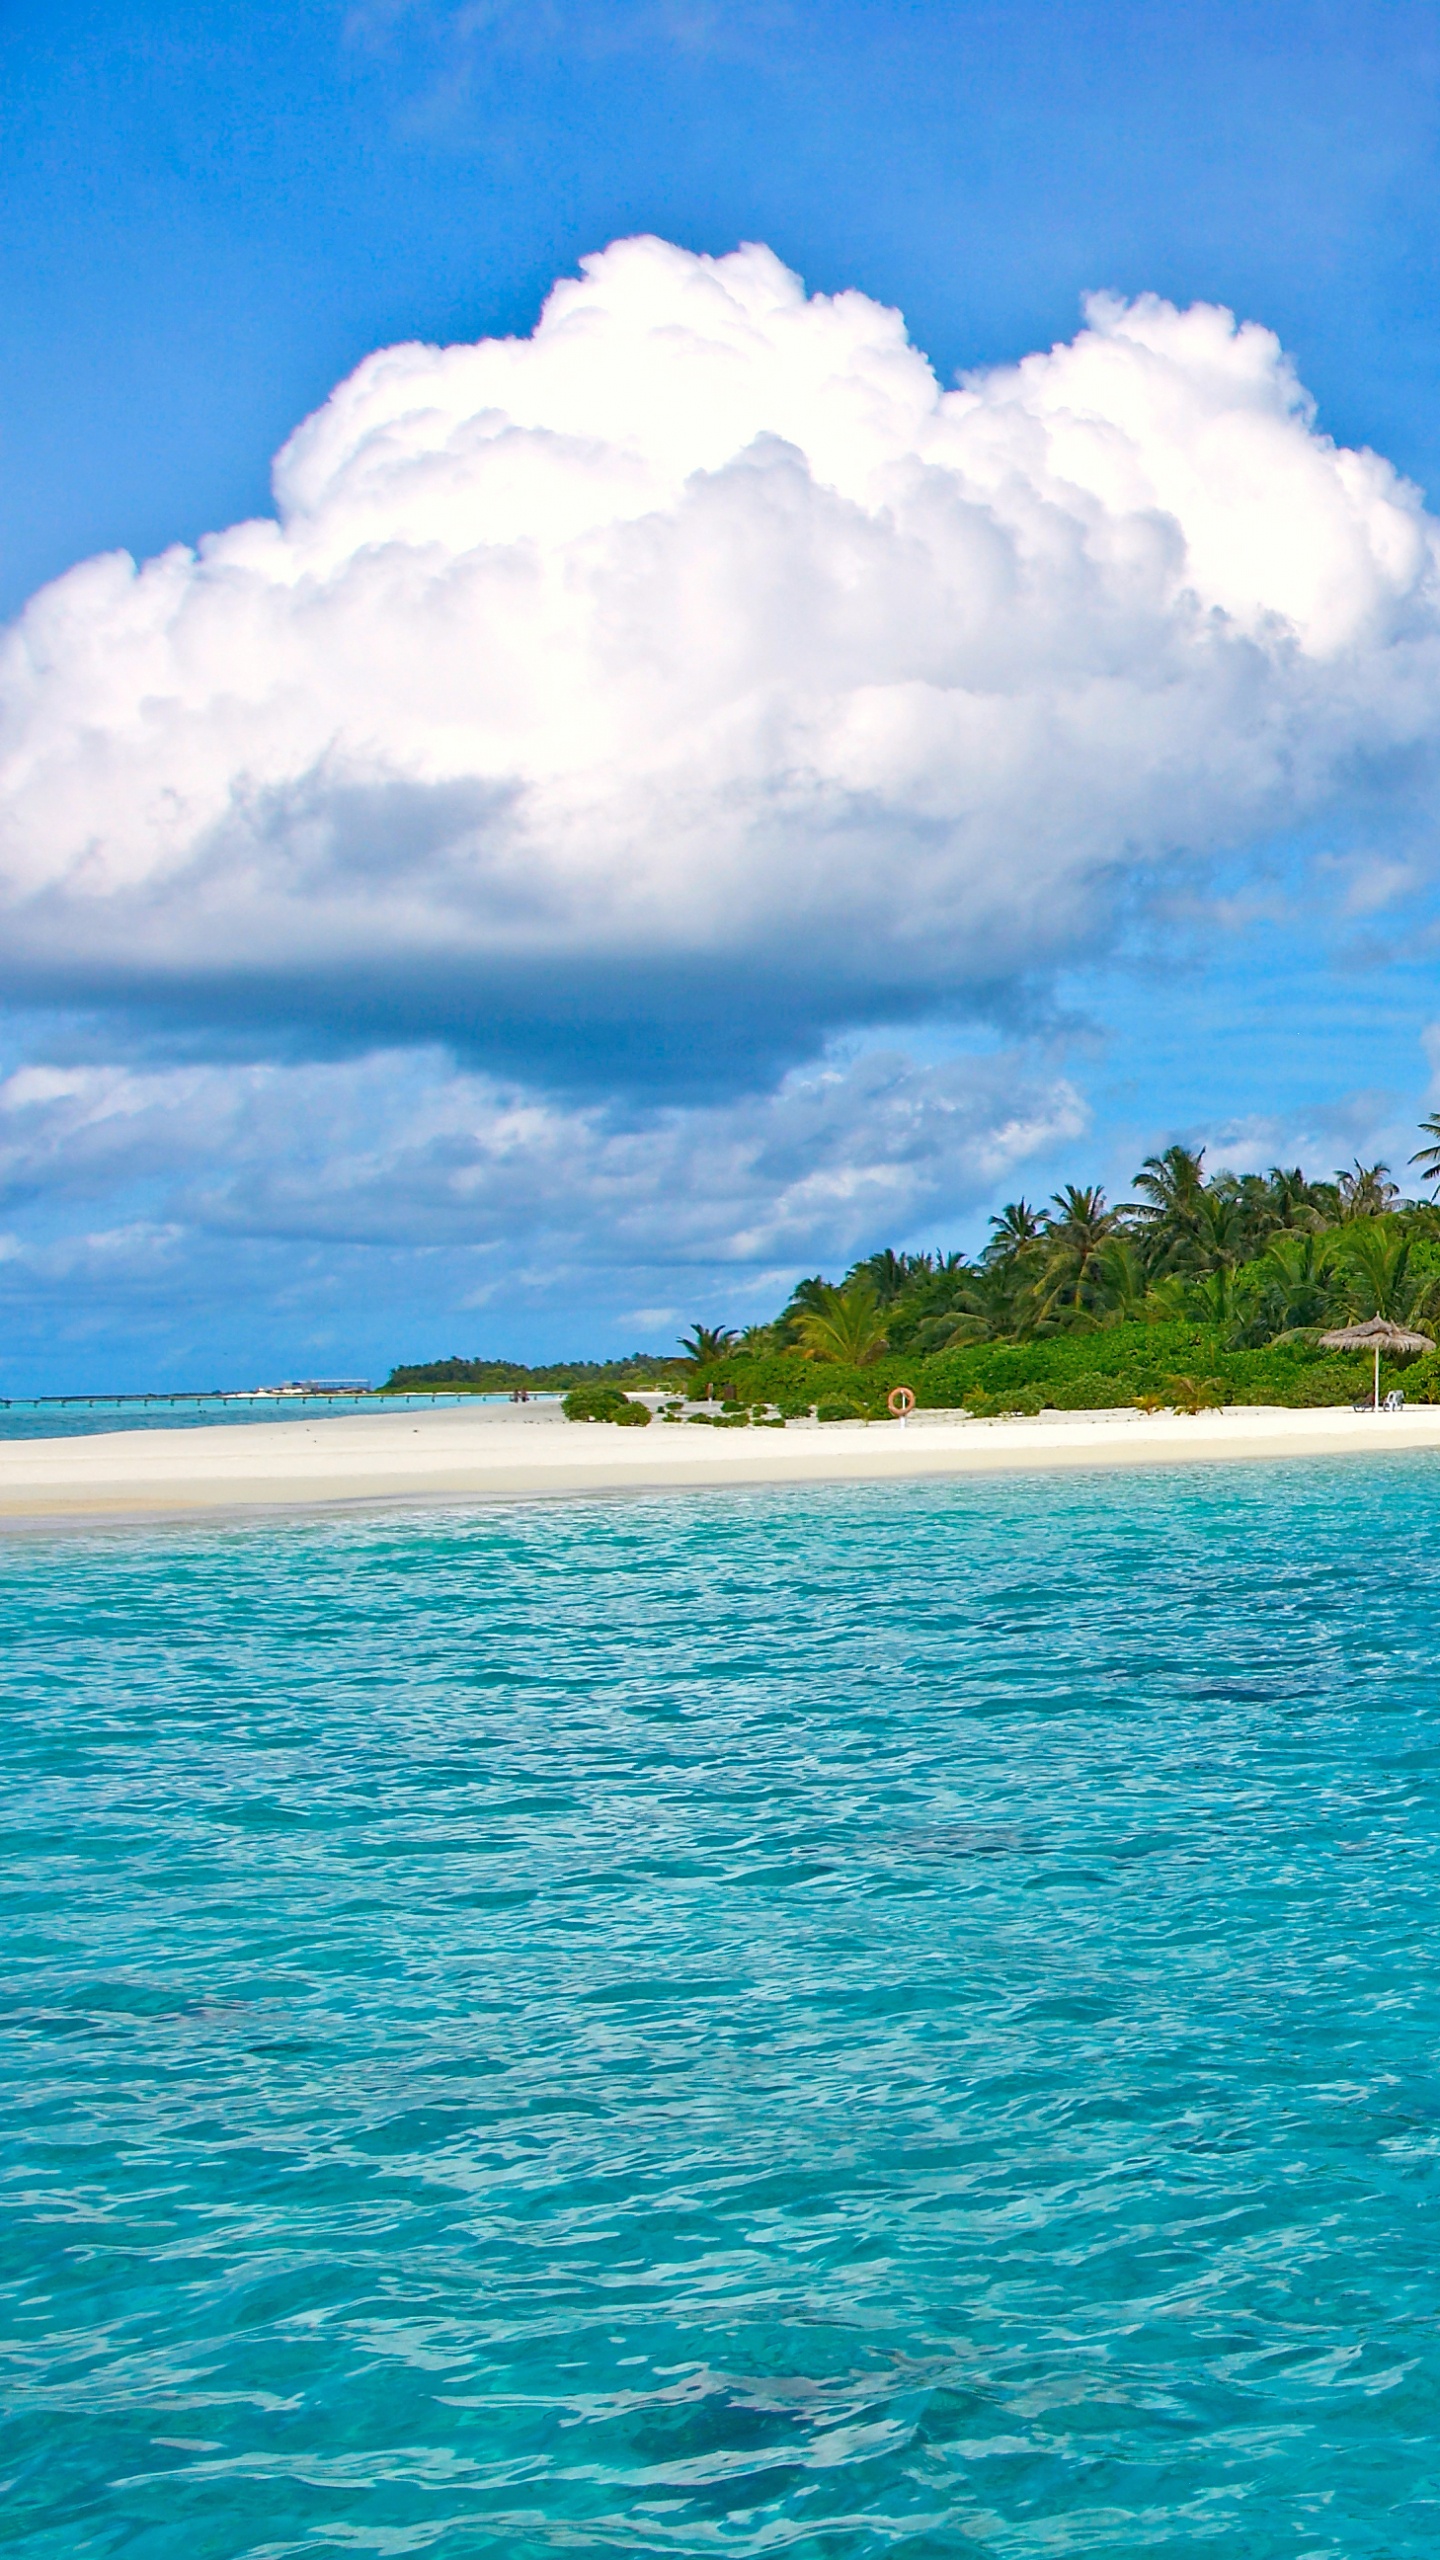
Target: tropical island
{"x":1205,"y":1289}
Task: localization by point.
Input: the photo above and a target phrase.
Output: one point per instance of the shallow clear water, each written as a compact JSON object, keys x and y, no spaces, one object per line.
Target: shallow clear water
{"x":880,"y":2021}
{"x":45,"y":1418}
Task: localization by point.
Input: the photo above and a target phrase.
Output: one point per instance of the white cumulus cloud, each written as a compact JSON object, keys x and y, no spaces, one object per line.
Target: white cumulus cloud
{"x":697,"y":672}
{"x":611,"y":721}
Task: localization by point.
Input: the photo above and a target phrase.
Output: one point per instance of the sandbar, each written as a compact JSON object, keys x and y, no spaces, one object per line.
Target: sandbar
{"x":487,"y":1453}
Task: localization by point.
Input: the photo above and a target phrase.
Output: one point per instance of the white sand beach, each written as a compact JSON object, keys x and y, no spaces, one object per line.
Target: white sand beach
{"x":489,"y":1452}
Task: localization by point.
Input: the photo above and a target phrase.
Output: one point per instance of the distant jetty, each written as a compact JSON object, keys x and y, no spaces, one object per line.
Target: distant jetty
{"x":327,"y":1388}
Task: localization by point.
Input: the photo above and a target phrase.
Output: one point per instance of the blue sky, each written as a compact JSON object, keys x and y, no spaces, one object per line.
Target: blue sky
{"x":211,"y":216}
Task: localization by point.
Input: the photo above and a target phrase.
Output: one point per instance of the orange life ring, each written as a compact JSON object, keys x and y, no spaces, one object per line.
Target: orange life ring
{"x":901,"y":1401}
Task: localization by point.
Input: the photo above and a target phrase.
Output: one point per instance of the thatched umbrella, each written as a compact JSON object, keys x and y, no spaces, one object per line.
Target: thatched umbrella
{"x":1380,"y":1333}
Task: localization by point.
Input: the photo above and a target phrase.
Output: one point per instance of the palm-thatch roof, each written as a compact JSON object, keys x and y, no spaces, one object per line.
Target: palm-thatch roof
{"x":1376,"y":1334}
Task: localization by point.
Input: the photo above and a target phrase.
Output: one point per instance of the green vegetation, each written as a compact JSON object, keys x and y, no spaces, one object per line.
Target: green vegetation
{"x":706,"y":1344}
{"x":602,"y":1402}
{"x":498,"y":1377}
{"x":846,"y":1324}
{"x":1203,"y":1289}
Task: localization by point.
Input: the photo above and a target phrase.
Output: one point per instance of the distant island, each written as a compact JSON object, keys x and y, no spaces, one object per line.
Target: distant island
{"x":1203,"y":1289}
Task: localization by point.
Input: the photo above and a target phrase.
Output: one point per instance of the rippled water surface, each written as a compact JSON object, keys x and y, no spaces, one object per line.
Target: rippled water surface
{"x":881,"y":2021}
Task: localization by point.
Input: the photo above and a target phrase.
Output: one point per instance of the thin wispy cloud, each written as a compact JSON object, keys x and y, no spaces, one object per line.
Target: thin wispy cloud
{"x":402,"y":1149}
{"x":464,"y":36}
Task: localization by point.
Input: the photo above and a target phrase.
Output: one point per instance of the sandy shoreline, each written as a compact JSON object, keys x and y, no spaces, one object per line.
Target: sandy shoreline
{"x":488,"y":1453}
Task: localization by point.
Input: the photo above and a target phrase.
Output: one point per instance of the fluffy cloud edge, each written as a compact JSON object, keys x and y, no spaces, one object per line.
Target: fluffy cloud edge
{"x":700,"y":654}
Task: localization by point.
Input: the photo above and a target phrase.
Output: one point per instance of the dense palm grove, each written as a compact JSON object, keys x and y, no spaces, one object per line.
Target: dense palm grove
{"x":1254,"y":1256}
{"x":1202,"y":1288}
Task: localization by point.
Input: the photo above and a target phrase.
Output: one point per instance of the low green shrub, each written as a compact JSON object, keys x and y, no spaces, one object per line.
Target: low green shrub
{"x":603,"y":1403}
{"x":1089,"y":1393}
{"x":1419,"y":1378}
{"x":1196,"y":1395}
{"x":794,"y":1403}
{"x":1332,"y":1384}
{"x":1108,"y":1365}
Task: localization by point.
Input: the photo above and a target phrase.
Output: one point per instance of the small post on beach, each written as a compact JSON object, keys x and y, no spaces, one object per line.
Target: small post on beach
{"x":901,"y":1401}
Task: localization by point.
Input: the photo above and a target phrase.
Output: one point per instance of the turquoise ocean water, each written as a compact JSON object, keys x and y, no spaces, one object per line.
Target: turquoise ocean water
{"x":25,"y":1418}
{"x":861,"y":2022}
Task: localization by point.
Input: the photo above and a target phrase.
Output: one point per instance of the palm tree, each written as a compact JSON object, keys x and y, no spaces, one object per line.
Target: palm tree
{"x":933,"y":1295}
{"x":705,"y":1344}
{"x":995,"y":1302}
{"x":1017,"y":1229}
{"x":1213,"y":1298}
{"x":1263,"y":1202}
{"x":1218,"y":1231}
{"x":1428,"y":1156}
{"x":804,"y":1298}
{"x":1122,"y":1289}
{"x":889,"y":1274}
{"x":1378,"y":1278}
{"x":1172,"y":1183}
{"x":1167,"y":1300}
{"x":1366,"y":1191}
{"x":1292,"y":1198}
{"x":849,"y":1327}
{"x":1294,"y":1280}
{"x":1197,"y":1395}
{"x":1074,"y":1237}
{"x":758,"y":1339}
